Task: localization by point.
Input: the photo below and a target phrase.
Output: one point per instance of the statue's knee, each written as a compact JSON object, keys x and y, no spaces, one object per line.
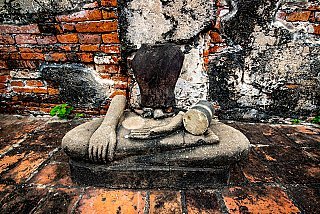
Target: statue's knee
{"x":75,"y":145}
{"x":76,"y":142}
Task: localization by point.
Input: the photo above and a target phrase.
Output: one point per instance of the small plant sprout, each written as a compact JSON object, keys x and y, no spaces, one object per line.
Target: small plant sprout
{"x":295,"y":121}
{"x":79,"y":115}
{"x":316,"y":119}
{"x":62,"y":111}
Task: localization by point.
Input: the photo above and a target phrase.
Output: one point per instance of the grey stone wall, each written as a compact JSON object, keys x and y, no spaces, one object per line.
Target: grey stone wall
{"x":274,"y":68}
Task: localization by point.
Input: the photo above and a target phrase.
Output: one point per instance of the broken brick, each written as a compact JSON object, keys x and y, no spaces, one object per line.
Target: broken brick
{"x":44,"y":40}
{"x":17,"y":83}
{"x":7,"y":48}
{"x":85,"y":57}
{"x":30,"y":49}
{"x":298,"y":16}
{"x":32,"y":56}
{"x":26,"y":39}
{"x":89,"y":48}
{"x":216,"y":37}
{"x":109,"y":14}
{"x":68,"y":27}
{"x":98,"y":27}
{"x":33,"y":28}
{"x":68,"y":38}
{"x":111,"y":69}
{"x":89,"y":38}
{"x":36,"y":83}
{"x":40,"y":90}
{"x":56,"y":57}
{"x":3,"y":65}
{"x":4,"y":78}
{"x":86,"y":15}
{"x":110,"y":38}
{"x":109,"y":3}
{"x":22,"y":90}
{"x":6,"y":39}
{"x":110,"y":48}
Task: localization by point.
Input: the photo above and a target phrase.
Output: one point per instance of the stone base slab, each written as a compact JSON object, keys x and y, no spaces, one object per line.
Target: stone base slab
{"x":148,"y":177}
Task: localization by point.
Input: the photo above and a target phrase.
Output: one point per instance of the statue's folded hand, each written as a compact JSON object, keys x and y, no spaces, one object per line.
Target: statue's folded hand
{"x":102,"y":144}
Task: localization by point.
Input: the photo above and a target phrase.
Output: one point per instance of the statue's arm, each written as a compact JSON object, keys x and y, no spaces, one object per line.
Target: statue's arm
{"x":115,"y":111}
{"x":175,"y":124}
{"x":144,"y":134}
{"x":103,"y":141}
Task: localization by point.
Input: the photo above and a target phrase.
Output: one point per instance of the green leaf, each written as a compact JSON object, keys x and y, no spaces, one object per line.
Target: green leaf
{"x":316,"y":119}
{"x":64,"y":105}
{"x":78,"y":115}
{"x":54,"y":111}
{"x":295,"y":121}
{"x":62,"y":111}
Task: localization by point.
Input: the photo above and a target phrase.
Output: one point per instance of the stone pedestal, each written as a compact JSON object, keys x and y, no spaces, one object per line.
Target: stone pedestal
{"x":148,"y":177}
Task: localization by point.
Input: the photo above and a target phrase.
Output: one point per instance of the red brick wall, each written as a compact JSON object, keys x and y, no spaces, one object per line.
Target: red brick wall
{"x":71,"y":38}
{"x":303,"y":13}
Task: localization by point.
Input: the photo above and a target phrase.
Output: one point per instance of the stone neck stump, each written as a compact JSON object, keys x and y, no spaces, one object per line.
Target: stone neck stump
{"x":157,"y":69}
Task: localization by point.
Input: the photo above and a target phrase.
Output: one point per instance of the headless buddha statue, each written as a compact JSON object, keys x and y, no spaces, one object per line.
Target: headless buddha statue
{"x":125,"y":136}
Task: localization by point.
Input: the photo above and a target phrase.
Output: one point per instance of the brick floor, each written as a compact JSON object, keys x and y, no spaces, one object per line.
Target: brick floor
{"x":282,"y":175}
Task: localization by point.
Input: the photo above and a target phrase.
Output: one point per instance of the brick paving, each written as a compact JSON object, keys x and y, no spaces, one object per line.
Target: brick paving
{"x":282,"y":175}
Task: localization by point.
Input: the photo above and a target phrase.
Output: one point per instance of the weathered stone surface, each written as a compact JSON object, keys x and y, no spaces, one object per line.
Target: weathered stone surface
{"x":158,"y":113}
{"x":164,"y":21}
{"x":144,"y":176}
{"x":193,"y":83}
{"x":179,"y":148}
{"x":233,"y":147}
{"x":273,"y":67}
{"x":156,"y":69}
{"x":75,"y":142}
{"x":78,"y":85}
